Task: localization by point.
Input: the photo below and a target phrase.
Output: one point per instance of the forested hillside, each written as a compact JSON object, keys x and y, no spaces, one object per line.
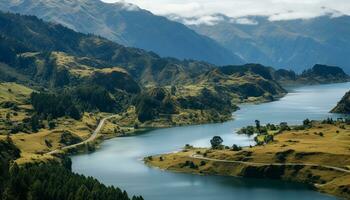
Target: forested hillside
{"x":50,"y":181}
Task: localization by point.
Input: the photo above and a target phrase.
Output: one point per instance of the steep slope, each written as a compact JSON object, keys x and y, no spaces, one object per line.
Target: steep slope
{"x":343,"y":105}
{"x":21,"y":34}
{"x":128,"y":25}
{"x":290,"y":44}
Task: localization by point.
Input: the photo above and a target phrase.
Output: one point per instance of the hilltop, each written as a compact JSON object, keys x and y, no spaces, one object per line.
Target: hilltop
{"x":320,"y":74}
{"x":343,"y":105}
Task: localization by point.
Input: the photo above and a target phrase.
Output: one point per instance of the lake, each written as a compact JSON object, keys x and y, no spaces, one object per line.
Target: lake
{"x":119,"y":161}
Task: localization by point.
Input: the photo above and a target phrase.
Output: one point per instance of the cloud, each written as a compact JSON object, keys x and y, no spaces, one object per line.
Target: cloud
{"x":205,"y":19}
{"x":128,"y":6}
{"x":203,"y":11}
{"x":243,"y":20}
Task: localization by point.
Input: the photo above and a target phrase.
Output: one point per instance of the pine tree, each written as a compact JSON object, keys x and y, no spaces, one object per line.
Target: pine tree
{"x":82,"y":193}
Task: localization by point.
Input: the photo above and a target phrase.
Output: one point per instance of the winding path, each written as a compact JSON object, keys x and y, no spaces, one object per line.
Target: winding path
{"x":90,"y":139}
{"x":200,"y":157}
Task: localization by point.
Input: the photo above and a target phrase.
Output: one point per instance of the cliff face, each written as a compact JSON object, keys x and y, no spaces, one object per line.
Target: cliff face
{"x":343,"y":105}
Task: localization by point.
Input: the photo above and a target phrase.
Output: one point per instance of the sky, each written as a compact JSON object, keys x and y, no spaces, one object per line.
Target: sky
{"x":274,"y":9}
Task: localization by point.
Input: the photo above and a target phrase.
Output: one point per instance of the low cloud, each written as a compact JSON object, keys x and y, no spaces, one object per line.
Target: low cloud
{"x":206,"y":19}
{"x":244,"y":20}
{"x":203,"y":10}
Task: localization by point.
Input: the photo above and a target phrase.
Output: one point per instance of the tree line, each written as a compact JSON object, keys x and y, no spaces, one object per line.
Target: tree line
{"x":49,"y":181}
{"x":73,"y":102}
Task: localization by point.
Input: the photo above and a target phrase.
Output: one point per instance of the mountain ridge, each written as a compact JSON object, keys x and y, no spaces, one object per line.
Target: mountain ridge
{"x":290,"y":44}
{"x":128,"y":25}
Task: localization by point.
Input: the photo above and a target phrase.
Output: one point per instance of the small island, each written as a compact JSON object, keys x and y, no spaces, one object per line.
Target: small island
{"x":316,"y":153}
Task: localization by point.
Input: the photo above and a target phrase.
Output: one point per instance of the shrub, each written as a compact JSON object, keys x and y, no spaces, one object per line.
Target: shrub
{"x":52,"y":124}
{"x":268,"y":138}
{"x":236,"y":148}
{"x":216,"y":142}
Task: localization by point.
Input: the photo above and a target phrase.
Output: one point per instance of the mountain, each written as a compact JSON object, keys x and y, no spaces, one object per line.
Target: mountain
{"x":84,"y":68}
{"x":343,"y":105}
{"x":23,"y":34}
{"x":90,"y":72}
{"x":290,"y":44}
{"x":128,"y":25}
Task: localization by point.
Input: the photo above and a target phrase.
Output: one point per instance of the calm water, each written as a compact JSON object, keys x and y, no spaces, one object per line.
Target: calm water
{"x":118,"y":162}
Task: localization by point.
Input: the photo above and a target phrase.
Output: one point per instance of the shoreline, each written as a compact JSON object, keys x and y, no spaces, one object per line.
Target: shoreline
{"x":81,"y":149}
{"x":99,"y":140}
{"x":301,"y":162}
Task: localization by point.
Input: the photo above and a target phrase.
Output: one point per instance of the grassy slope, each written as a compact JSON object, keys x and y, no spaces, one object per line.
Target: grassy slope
{"x":33,"y":145}
{"x":18,"y":93}
{"x":304,"y":146}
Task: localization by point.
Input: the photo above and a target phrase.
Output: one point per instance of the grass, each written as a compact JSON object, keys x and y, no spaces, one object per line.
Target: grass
{"x":80,"y":66}
{"x":18,"y":95}
{"x":332,"y":147}
{"x":34,"y":146}
{"x":14,"y":92}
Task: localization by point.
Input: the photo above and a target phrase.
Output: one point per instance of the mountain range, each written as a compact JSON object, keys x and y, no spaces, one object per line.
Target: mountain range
{"x":128,"y":25}
{"x":290,"y":44}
